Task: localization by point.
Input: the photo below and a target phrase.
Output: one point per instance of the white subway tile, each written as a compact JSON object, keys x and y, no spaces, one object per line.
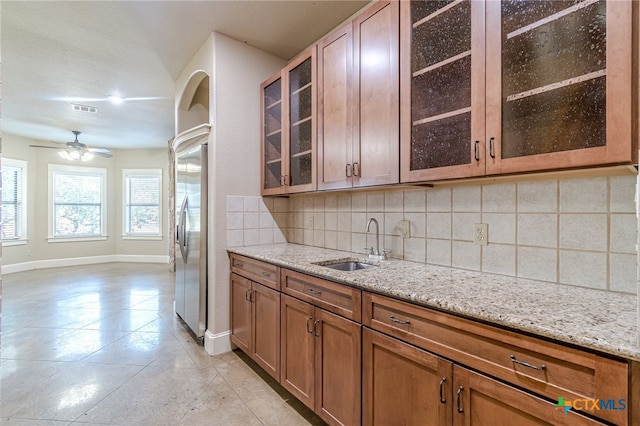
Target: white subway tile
{"x":281,"y":205}
{"x":623,"y":273}
{"x":235,"y":220}
{"x":344,"y":222}
{"x":344,"y":241}
{"x":623,"y":233}
{"x":331,"y":239}
{"x":279,"y":236}
{"x":318,"y":220}
{"x":583,"y":231}
{"x":375,"y":202}
{"x":393,"y":201}
{"x":266,"y":236}
{"x":439,"y":252}
{"x":331,"y":203}
{"x":344,"y":202}
{"x":466,"y":199}
{"x":252,"y":204}
{"x":266,"y":220}
{"x":266,"y":204}
{"x":462,"y":228}
{"x":538,"y":229}
{"x":622,"y":193}
{"x":584,"y":195}
{"x":499,"y":198}
{"x":391,"y":223}
{"x":439,"y":200}
{"x":307,"y":203}
{"x":417,"y":224}
{"x":359,"y":223}
{"x":358,"y":242}
{"x":235,"y":238}
{"x":358,"y":202}
{"x":586,"y":269}
{"x":502,"y":227}
{"x":235,"y":203}
{"x":439,"y":225}
{"x":415,"y":249}
{"x":318,"y":203}
{"x":465,"y":255}
{"x":251,"y":237}
{"x":538,"y":263}
{"x":538,"y":197}
{"x":415,"y":200}
{"x":395,"y":244}
{"x":318,"y":238}
{"x":499,"y":259}
{"x":331,"y":221}
{"x":251,"y":220}
{"x":308,"y":237}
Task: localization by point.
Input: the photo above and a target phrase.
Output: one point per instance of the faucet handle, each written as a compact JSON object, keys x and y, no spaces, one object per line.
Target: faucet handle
{"x":385,"y":251}
{"x":368,"y":250}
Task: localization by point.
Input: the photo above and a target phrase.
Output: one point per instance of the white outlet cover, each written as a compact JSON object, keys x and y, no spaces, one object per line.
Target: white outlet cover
{"x":481,"y":234}
{"x":404,"y":229}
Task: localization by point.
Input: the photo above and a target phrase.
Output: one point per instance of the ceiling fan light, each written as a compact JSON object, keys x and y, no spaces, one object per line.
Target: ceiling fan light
{"x":65,"y":155}
{"x":75,"y":155}
{"x":86,"y":156}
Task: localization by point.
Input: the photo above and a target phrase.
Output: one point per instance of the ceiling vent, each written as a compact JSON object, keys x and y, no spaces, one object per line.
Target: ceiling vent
{"x":84,"y":108}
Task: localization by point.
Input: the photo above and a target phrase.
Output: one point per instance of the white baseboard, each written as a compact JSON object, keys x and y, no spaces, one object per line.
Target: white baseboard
{"x":216,"y":344}
{"x":76,"y":261}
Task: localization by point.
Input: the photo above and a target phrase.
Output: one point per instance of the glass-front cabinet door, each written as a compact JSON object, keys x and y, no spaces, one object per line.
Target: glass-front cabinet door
{"x":558,"y":84}
{"x":272,"y":137}
{"x":301,"y":92}
{"x":442,"y":87}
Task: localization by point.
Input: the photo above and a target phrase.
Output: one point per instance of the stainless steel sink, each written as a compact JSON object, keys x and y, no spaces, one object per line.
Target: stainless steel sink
{"x":346,"y":265}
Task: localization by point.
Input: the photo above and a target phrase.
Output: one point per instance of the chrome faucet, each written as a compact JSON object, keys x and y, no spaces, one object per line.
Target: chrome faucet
{"x":377,"y":254}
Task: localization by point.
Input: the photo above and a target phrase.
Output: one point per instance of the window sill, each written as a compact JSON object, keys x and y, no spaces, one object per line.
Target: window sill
{"x":142,"y":237}
{"x":75,"y":239}
{"x":14,"y":242}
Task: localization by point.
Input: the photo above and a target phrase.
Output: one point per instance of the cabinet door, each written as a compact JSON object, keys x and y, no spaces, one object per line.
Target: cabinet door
{"x":273,"y":146}
{"x":300,"y":111}
{"x":443,"y":89}
{"x":479,"y":400}
{"x":297,"y":349}
{"x":266,"y":329}
{"x":335,"y":109}
{"x":376,"y":150}
{"x":338,"y":361}
{"x":403,"y":385}
{"x":241,"y":313}
{"x":558,"y":84}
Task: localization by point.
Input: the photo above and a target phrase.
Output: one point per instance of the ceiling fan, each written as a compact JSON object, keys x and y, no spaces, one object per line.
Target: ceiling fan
{"x":77,"y":150}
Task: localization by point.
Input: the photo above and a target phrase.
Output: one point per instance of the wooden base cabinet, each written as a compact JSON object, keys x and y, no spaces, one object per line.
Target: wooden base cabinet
{"x":255,"y":322}
{"x":403,"y":385}
{"x":321,"y":356}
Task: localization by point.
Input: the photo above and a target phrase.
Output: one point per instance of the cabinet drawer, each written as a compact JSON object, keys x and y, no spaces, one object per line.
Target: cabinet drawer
{"x":543,"y":367}
{"x":255,"y":270}
{"x":337,"y":298}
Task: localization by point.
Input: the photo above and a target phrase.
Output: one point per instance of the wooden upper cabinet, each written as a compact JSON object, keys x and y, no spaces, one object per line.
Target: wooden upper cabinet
{"x":510,"y":86}
{"x":559,"y":85}
{"x":289,"y":127}
{"x":442,"y":90}
{"x":358,"y":80}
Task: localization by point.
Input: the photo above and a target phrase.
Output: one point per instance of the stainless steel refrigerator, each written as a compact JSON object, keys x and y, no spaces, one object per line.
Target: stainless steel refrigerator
{"x":191,"y":233}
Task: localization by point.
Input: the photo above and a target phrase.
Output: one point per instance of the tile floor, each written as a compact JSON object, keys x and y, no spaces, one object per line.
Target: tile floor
{"x":100,"y":344}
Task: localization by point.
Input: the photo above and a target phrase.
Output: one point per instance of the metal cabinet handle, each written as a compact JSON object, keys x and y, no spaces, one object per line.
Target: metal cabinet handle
{"x":315,"y":328}
{"x":248,"y":295}
{"x":526,"y":364}
{"x":309,"y":330}
{"x":281,"y":180}
{"x":394,"y":319}
{"x":312,"y":291}
{"x":442,"y":400}
{"x":356,"y":169}
{"x":460,"y":410}
{"x":239,"y":265}
{"x":491,"y":153}
{"x":265,"y":274}
{"x":347,"y":170}
{"x":287,"y":180}
{"x":476,"y":153}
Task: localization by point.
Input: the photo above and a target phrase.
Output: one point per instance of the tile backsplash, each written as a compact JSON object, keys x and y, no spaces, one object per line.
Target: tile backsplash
{"x":573,"y":231}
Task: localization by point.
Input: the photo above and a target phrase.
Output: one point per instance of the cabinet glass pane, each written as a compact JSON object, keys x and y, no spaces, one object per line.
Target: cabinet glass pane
{"x":557,"y":49}
{"x":272,"y":173}
{"x":422,"y":9}
{"x":553,"y":76}
{"x":445,"y":89}
{"x":272,"y":147}
{"x":300,"y":76}
{"x":301,"y":138}
{"x":568,"y":118}
{"x":301,"y":169}
{"x":441,"y":37}
{"x":441,"y":143}
{"x":272,"y":93}
{"x":300,"y":105}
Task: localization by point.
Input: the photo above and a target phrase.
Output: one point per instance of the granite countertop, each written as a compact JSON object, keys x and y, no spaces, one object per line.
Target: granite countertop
{"x":596,"y":319}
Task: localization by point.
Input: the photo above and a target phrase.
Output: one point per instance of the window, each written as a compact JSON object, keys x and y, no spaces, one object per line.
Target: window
{"x":142,"y":215}
{"x":14,"y":209}
{"x":77,"y":202}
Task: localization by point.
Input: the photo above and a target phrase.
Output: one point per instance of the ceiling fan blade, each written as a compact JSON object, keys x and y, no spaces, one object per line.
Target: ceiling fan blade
{"x":94,"y":150}
{"x":102,"y":154}
{"x":43,"y":146}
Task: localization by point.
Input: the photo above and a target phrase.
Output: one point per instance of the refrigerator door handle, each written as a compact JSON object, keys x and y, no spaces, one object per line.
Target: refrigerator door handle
{"x":182,"y":232}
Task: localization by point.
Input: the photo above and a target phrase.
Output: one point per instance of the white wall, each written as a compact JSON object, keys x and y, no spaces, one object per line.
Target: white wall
{"x":236,"y":71}
{"x":38,"y":252}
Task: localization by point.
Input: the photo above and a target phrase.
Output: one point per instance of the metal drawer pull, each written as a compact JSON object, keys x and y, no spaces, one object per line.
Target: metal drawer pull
{"x":442,"y":400}
{"x":394,"y":319}
{"x":347,"y":170}
{"x":491,"y":153}
{"x":265,"y":274}
{"x":309,"y":330}
{"x":312,"y":291}
{"x":239,"y":265}
{"x":476,"y":154}
{"x":315,"y":328}
{"x":526,"y":364}
{"x":460,"y":410}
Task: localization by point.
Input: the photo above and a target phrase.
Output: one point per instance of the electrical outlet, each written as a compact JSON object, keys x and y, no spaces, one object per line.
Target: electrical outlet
{"x":309,"y":223}
{"x":481,"y":234}
{"x":404,"y":229}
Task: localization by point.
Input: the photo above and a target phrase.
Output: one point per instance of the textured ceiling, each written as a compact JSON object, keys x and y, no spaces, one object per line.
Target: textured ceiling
{"x":55,"y":53}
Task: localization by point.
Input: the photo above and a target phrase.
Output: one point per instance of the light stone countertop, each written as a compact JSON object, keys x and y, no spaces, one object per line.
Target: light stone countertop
{"x":596,"y":319}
